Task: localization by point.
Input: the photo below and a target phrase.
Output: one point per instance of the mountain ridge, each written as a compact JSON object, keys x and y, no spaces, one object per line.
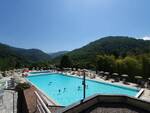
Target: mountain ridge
{"x":57,"y":54}
{"x":16,"y":57}
{"x":119,"y":46}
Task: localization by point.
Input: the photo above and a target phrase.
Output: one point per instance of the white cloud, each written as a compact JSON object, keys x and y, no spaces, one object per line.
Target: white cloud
{"x":146,"y":38}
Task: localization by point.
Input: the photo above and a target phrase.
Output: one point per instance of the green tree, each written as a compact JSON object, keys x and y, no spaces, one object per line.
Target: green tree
{"x":105,"y":63}
{"x":132,"y":67}
{"x":65,"y":62}
{"x":120,"y":66}
{"x":146,"y":66}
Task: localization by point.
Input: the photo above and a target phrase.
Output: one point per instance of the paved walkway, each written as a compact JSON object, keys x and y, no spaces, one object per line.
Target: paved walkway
{"x":8,"y":100}
{"x":146,"y":95}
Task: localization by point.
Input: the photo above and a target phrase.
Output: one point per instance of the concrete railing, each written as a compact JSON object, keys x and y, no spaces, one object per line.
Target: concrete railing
{"x":10,"y":83}
{"x":42,"y":108}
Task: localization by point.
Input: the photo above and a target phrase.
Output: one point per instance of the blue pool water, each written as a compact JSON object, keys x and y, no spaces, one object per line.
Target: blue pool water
{"x":65,"y":90}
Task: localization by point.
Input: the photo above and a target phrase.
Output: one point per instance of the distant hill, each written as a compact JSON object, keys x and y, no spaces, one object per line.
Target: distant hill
{"x":14,"y":57}
{"x":112,"y":45}
{"x":57,"y":54}
{"x":119,"y":46}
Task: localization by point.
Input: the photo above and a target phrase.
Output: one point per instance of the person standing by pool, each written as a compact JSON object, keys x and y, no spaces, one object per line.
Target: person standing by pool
{"x":59,"y":91}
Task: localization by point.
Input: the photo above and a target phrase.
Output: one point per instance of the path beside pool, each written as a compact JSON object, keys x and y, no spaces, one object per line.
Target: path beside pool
{"x":9,"y":102}
{"x":145,"y":95}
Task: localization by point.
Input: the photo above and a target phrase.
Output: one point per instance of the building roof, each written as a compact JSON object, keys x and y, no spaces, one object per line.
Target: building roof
{"x":113,"y":108}
{"x":109,"y":104}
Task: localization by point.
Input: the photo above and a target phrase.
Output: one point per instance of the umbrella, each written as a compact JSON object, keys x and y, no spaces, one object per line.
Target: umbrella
{"x":115,"y":74}
{"x":83,"y":70}
{"x":106,"y":73}
{"x":101,"y":72}
{"x":124,"y":75}
{"x":138,"y":77}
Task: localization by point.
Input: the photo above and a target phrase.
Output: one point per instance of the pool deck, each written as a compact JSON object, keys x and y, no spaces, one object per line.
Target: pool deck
{"x":9,"y":102}
{"x":144,"y":96}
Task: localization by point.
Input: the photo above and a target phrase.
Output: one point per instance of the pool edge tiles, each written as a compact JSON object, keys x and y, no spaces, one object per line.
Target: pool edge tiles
{"x":132,"y":91}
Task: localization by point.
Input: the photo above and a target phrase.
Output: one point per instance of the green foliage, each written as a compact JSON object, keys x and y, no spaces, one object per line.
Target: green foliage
{"x":11,"y":57}
{"x":124,"y":55}
{"x":120,"y":66}
{"x":105,"y":63}
{"x":22,"y":86}
{"x":118,"y":46}
{"x":40,"y":64}
{"x":57,"y":54}
{"x":65,"y":62}
{"x":131,"y":65}
{"x":146,"y":65}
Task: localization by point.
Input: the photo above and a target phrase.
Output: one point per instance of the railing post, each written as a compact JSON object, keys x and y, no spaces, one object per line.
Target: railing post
{"x":41,"y":104}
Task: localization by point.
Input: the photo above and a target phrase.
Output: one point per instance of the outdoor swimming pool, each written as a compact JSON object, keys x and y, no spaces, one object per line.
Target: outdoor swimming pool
{"x":65,"y":90}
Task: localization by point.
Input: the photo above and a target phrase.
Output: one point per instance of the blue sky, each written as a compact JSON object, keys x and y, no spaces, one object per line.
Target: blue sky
{"x":55,"y":25}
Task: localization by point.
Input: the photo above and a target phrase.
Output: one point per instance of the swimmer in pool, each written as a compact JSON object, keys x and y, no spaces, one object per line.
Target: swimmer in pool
{"x":49,"y":83}
{"x":64,"y":89}
{"x":79,"y":88}
{"x":59,"y":92}
{"x":86,"y":86}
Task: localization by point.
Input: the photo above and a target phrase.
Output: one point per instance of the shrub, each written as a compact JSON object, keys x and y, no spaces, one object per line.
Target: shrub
{"x":22,"y":86}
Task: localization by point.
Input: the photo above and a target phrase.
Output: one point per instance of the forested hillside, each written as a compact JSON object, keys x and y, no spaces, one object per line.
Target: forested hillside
{"x":11,"y":57}
{"x":124,"y":55}
{"x":57,"y":54}
{"x":114,"y":45}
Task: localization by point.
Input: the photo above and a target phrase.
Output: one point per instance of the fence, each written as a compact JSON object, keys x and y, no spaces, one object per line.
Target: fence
{"x":42,"y":108}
